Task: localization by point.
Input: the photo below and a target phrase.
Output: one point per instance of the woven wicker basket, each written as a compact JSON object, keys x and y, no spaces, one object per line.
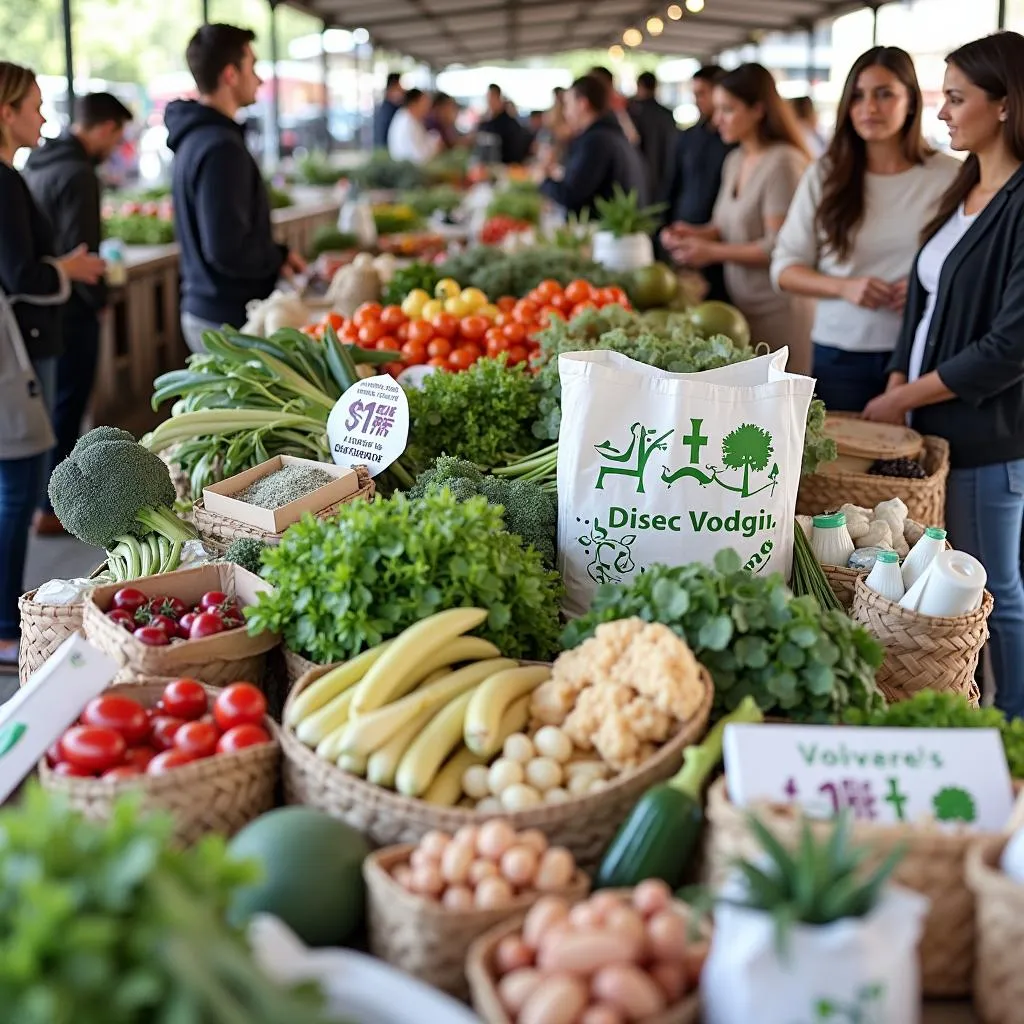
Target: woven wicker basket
{"x":44,"y":627}
{"x":481,"y":974}
{"x":933,"y":865}
{"x":584,"y":825}
{"x":925,"y":499}
{"x":423,"y":938}
{"x":998,"y":979}
{"x":296,"y":666}
{"x":217,"y":531}
{"x":923,"y":652}
{"x":217,"y":794}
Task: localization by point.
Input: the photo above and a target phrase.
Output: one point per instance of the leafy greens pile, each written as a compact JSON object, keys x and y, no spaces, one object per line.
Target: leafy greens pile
{"x":753,"y":636}
{"x":348,"y":583}
{"x":497,"y":273}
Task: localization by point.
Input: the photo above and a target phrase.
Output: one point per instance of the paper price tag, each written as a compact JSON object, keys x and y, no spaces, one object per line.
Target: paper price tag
{"x":369,"y":424}
{"x":954,"y":777}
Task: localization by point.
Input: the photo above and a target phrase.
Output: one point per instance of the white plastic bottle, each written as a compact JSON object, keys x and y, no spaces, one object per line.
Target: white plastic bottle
{"x":932,"y":541}
{"x":830,"y":539}
{"x":885,"y":577}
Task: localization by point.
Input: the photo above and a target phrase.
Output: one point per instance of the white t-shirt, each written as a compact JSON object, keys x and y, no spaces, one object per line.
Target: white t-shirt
{"x":929,"y":267}
{"x":409,"y":139}
{"x":897,"y":207}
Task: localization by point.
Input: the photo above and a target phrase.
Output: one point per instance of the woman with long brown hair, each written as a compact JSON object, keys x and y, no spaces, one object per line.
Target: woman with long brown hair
{"x":759,"y":179}
{"x":852,"y":231}
{"x":958,"y":370}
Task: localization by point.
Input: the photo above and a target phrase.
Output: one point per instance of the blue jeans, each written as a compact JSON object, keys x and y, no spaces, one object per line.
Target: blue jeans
{"x":984,"y":516}
{"x":847,"y":381}
{"x":20,"y":483}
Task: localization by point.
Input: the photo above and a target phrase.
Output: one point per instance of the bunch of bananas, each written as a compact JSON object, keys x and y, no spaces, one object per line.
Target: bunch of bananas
{"x":414,"y":712}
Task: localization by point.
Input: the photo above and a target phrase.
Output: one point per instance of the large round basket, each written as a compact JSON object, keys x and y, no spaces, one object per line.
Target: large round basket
{"x":923,"y":652}
{"x":44,"y":627}
{"x":925,"y":499}
{"x":998,"y":979}
{"x":481,"y":974}
{"x":583,"y":824}
{"x":425,"y":939}
{"x":217,"y":794}
{"x":933,"y":865}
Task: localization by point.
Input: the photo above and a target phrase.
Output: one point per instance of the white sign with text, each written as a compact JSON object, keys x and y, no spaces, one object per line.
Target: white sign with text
{"x":369,"y":424}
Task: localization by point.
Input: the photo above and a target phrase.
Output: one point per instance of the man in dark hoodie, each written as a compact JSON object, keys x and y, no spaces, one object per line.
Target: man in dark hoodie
{"x":600,"y":157}
{"x":656,"y":126}
{"x":221,"y":209}
{"x":62,"y":177}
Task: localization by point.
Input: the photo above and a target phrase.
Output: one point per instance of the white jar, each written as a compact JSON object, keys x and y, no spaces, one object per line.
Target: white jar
{"x":830,"y":539}
{"x":885,"y":578}
{"x":923,"y":553}
{"x":630,"y":252}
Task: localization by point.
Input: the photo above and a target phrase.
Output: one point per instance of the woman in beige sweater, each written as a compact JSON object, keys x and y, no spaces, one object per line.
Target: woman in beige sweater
{"x":759,"y":181}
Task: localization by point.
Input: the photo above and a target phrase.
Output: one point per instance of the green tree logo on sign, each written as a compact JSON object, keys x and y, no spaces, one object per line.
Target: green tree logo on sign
{"x":632,"y":462}
{"x":748,"y":447}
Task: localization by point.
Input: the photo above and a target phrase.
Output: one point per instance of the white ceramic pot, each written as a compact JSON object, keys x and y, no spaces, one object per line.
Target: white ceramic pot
{"x":631,"y":252}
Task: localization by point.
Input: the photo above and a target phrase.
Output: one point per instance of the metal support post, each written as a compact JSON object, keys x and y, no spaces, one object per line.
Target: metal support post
{"x":1001,"y":22}
{"x":206,"y":11}
{"x":273,"y":148}
{"x":325,"y":69}
{"x":811,"y":58}
{"x":874,"y":25}
{"x":69,"y":59}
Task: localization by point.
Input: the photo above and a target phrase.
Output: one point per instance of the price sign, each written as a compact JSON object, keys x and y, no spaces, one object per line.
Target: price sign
{"x":369,"y":424}
{"x":954,"y":777}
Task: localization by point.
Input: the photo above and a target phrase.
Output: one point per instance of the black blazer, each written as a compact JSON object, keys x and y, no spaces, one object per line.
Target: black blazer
{"x":976,"y":337}
{"x":27,"y":271}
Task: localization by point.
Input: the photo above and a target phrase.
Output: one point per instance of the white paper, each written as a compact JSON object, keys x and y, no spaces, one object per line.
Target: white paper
{"x":369,"y":425}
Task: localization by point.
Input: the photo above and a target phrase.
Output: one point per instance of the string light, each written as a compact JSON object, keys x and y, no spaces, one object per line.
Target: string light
{"x":632,"y":37}
{"x":655,"y":26}
{"x":695,"y":6}
{"x":616,"y":53}
{"x":675,"y":12}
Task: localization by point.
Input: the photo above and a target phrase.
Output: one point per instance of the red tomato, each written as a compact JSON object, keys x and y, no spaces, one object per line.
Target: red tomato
{"x":439,"y":347}
{"x":370,"y":333}
{"x":199,"y":739}
{"x":124,"y":618}
{"x":393,"y":368}
{"x":547,"y":290}
{"x":525,"y":311}
{"x":349,"y":333}
{"x":445,"y":325}
{"x":54,"y":754}
{"x":402,"y":332}
{"x":210,"y":600}
{"x":463,"y":358}
{"x":388,"y":344}
{"x":473,"y":328}
{"x":614,"y":296}
{"x":66,"y":768}
{"x":335,"y":320}
{"x":92,"y":748}
{"x":152,"y":636}
{"x":367,"y":313}
{"x":129,"y":599}
{"x":420,"y":330}
{"x":415,"y":352}
{"x":582,"y":308}
{"x":392,"y":317}
{"x":166,"y":623}
{"x":185,"y":624}
{"x":441,"y":362}
{"x":517,"y":354}
{"x":167,"y":761}
{"x":123,"y":771}
{"x":515,"y":333}
{"x":185,"y":698}
{"x":506,"y":303}
{"x":579,"y":291}
{"x":242,"y":736}
{"x":561,"y":303}
{"x":206,"y":624}
{"x":503,"y":318}
{"x":164,"y":729}
{"x":239,"y":704}
{"x":497,"y":345}
{"x":172,"y":607}
{"x":122,"y":714}
{"x":139,"y":756}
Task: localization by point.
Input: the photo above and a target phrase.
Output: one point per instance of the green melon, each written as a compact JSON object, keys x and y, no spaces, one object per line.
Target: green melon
{"x":312,"y":874}
{"x":712,"y":318}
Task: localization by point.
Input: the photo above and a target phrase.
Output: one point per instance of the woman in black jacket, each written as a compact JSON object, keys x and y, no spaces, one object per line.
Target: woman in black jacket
{"x":37,"y":284}
{"x":958,"y":370}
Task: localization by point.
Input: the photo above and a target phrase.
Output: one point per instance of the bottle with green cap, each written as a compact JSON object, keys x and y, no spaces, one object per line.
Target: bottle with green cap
{"x":885,"y":577}
{"x":922,"y":554}
{"x":830,"y":539}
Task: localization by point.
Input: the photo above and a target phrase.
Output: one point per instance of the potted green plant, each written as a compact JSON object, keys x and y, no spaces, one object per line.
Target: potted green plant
{"x":623,"y":239}
{"x":813,"y":935}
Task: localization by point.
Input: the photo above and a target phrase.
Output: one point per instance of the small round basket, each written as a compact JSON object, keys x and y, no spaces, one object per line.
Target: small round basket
{"x":217,"y":794}
{"x":584,"y":824}
{"x":482,"y":976}
{"x":425,"y":939}
{"x":44,"y":627}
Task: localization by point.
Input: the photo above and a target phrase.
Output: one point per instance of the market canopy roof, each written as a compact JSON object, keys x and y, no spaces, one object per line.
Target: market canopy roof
{"x":445,"y":32}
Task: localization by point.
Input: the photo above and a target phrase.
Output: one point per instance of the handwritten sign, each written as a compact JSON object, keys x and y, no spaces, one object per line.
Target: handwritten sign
{"x":369,"y":424}
{"x":956,"y":777}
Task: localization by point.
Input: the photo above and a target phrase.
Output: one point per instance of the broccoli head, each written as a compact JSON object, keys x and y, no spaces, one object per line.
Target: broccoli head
{"x":100,"y":434}
{"x":246,"y":552}
{"x":107,"y":489}
{"x":462,"y":478}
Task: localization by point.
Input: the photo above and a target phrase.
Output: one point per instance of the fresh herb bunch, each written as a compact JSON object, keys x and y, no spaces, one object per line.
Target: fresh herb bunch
{"x":752,"y":635}
{"x":246,"y":552}
{"x":517,"y":203}
{"x":407,"y":279}
{"x":529,"y":511}
{"x":139,"y":229}
{"x":315,"y":169}
{"x":428,"y":201}
{"x":929,"y":709}
{"x":345,"y":584}
{"x":379,"y":171}
{"x":623,"y":215}
{"x":483,"y":414}
{"x":110,"y":924}
{"x":329,"y":239}
{"x":393,"y":218}
{"x":497,"y":273}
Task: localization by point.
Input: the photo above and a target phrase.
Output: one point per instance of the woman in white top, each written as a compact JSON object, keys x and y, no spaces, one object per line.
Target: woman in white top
{"x":408,"y":137}
{"x":852,"y":231}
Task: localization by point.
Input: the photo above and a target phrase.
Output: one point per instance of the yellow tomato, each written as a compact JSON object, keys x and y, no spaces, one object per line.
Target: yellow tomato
{"x":474,"y":298}
{"x":457,"y":307}
{"x":431,"y":309}
{"x":488,"y":311}
{"x":414,"y":302}
{"x":447,"y":288}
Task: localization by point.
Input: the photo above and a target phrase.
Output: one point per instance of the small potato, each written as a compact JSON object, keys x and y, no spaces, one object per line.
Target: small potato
{"x":629,"y":988}
{"x":419,"y":858}
{"x":541,"y":917}
{"x":492,"y":894}
{"x":651,"y":895}
{"x":494,"y":839}
{"x":596,"y":785}
{"x":556,"y":796}
{"x":504,"y":773}
{"x":534,"y":839}
{"x":596,"y":769}
{"x":433,"y":844}
{"x":544,"y":773}
{"x":518,"y":747}
{"x":489,"y":805}
{"x":584,"y":952}
{"x":427,"y":880}
{"x":671,"y":979}
{"x":515,"y":988}
{"x":551,"y":742}
{"x":605,"y":902}
{"x":481,"y":869}
{"x":475,"y":782}
{"x":584,"y":917}
{"x":558,"y":999}
{"x":555,"y":869}
{"x":625,"y":920}
{"x":602,"y":1013}
{"x":466,"y":834}
{"x":455,"y":863}
{"x":458,"y":897}
{"x":520,"y":798}
{"x":403,"y":876}
{"x":512,"y":953}
{"x":666,"y":936}
{"x":518,"y":865}
{"x":579,"y":785}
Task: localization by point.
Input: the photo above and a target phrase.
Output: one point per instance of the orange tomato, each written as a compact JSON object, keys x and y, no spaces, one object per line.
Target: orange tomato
{"x":506,"y":303}
{"x":439,"y":347}
{"x":515,"y":333}
{"x":392,"y":317}
{"x":420,"y":330}
{"x":371,"y":332}
{"x":525,"y":311}
{"x":445,"y":325}
{"x":549,"y":313}
{"x":579,"y":291}
{"x":439,"y":361}
{"x":473,"y":328}
{"x":388,"y":344}
{"x":562,"y":303}
{"x":517,"y":354}
{"x":496,"y":344}
{"x":368,"y":312}
{"x":349,"y":333}
{"x":464,"y":357}
{"x":336,"y":320}
{"x":415,"y":352}
{"x":582,"y":307}
{"x":608,"y":296}
{"x":547,"y":290}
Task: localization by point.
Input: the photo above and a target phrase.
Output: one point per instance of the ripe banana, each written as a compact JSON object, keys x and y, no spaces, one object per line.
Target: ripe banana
{"x":387,"y":678}
{"x":383,"y":762}
{"x":429,"y":750}
{"x":329,"y":685}
{"x":492,"y":699}
{"x":368,"y":732}
{"x":321,"y":723}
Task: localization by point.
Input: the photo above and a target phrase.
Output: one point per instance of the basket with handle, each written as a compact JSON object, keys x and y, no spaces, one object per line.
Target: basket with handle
{"x":44,"y":627}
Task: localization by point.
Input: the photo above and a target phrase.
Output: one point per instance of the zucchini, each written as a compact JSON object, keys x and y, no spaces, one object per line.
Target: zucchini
{"x":658,"y":838}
